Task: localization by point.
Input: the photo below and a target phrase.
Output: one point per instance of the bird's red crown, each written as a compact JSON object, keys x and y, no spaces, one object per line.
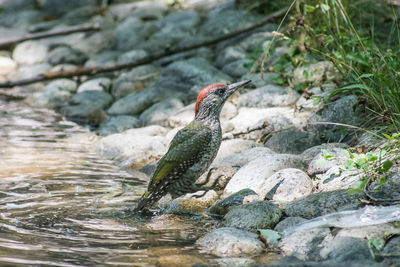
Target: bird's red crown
{"x":203,"y":94}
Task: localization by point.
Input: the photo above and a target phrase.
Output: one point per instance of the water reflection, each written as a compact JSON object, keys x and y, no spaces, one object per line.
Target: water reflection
{"x":61,"y":203}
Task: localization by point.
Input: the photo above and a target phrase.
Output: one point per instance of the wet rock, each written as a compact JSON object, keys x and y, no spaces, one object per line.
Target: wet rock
{"x":99,"y":99}
{"x":231,"y":242}
{"x":287,"y":223}
{"x":238,"y":68}
{"x":222,"y":207}
{"x":117,"y":124}
{"x":320,"y":165}
{"x":55,"y":94}
{"x":216,"y":177}
{"x":131,"y":32}
{"x":161,"y":111}
{"x":343,"y":110}
{"x":84,"y":114}
{"x":292,"y":141}
{"x":268,"y":96}
{"x":30,"y":52}
{"x":229,"y":55}
{"x":7,"y":65}
{"x":257,"y":171}
{"x":66,"y":54}
{"x":137,"y":102}
{"x":182,"y":75}
{"x":241,"y":158}
{"x":134,"y":80}
{"x":253,"y":216}
{"x":96,"y":84}
{"x":135,"y":148}
{"x":132,"y":55}
{"x":323,"y":203}
{"x":286,"y":185}
{"x":314,"y":73}
{"x":106,"y":58}
{"x":192,"y":203}
{"x":57,"y":7}
{"x":310,"y":153}
{"x":337,"y":178}
{"x":180,"y":260}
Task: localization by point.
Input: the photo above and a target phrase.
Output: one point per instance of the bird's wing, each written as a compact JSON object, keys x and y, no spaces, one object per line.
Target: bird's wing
{"x":187,"y":145}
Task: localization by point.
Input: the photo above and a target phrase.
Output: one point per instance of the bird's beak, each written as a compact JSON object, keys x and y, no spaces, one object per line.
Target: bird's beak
{"x":232,"y":87}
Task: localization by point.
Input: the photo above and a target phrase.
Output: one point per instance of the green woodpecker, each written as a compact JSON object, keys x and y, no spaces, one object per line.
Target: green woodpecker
{"x":192,"y":149}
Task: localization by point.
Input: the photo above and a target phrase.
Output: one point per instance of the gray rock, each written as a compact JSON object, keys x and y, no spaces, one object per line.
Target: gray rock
{"x":316,"y":73}
{"x":135,"y":148}
{"x":256,"y":41}
{"x":343,"y":110}
{"x":392,"y":247}
{"x":66,"y":54}
{"x":182,"y":75}
{"x":216,"y":177}
{"x":286,"y":185}
{"x":230,"y":242}
{"x":222,"y":207}
{"x":132,"y":55}
{"x":310,"y":153}
{"x":117,"y":124}
{"x":320,"y":165}
{"x":131,"y":32}
{"x":243,"y":157}
{"x":84,"y":114}
{"x":142,"y":9}
{"x":137,"y":102}
{"x":229,"y":55}
{"x":292,"y":141}
{"x":106,"y":58}
{"x":323,"y":203}
{"x":161,"y":111}
{"x":96,"y":43}
{"x":96,"y":84}
{"x":57,"y":7}
{"x":55,"y":94}
{"x":230,"y":147}
{"x":257,"y":171}
{"x":268,"y":96}
{"x":30,"y":52}
{"x":389,"y":190}
{"x":288,"y":222}
{"x":99,"y":99}
{"x":238,"y":68}
{"x":136,"y":79}
{"x":253,"y":216}
{"x":343,"y":249}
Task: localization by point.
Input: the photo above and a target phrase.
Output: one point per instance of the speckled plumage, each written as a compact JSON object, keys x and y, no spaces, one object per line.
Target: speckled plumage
{"x":192,"y":149}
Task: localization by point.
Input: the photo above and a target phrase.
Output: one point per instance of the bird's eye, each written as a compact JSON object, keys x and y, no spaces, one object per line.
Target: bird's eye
{"x":220,"y":91}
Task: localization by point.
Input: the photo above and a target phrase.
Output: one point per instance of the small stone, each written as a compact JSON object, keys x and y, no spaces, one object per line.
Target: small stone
{"x":253,"y":216}
{"x":132,"y":55}
{"x":337,"y":178}
{"x":292,"y":141}
{"x":7,"y":65}
{"x":106,"y":58}
{"x":66,"y":54}
{"x":131,"y":32}
{"x":231,"y":242}
{"x":257,"y":171}
{"x":310,"y":153}
{"x":84,"y":114}
{"x":134,"y":80}
{"x":319,"y":164}
{"x":222,"y":207}
{"x":117,"y":124}
{"x":99,"y":99}
{"x":316,"y":72}
{"x":228,"y":55}
{"x":323,"y":203}
{"x":56,"y":94}
{"x":286,"y":185}
{"x":268,"y":96}
{"x":160,"y":112}
{"x":30,"y":52}
{"x":97,"y":84}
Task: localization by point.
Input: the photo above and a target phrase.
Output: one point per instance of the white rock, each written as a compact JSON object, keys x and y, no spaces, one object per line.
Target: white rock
{"x":159,"y":112}
{"x":287,"y":184}
{"x":97,"y":84}
{"x":30,"y":52}
{"x":7,"y":65}
{"x":336,"y":178}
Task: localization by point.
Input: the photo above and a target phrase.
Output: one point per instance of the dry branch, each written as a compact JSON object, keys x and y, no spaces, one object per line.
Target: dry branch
{"x":85,"y":28}
{"x":167,"y":52}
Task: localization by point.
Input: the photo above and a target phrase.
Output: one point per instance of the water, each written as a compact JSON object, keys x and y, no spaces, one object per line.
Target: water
{"x":61,"y":203}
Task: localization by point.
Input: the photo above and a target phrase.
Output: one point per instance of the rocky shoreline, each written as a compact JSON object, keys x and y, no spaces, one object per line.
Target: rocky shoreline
{"x":269,"y":173}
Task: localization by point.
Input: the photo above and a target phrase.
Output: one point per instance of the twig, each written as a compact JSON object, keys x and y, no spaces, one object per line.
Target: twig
{"x":40,"y":35}
{"x":167,"y":52}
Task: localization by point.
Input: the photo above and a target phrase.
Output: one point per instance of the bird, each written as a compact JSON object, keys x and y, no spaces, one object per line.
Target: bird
{"x":193,"y":148}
